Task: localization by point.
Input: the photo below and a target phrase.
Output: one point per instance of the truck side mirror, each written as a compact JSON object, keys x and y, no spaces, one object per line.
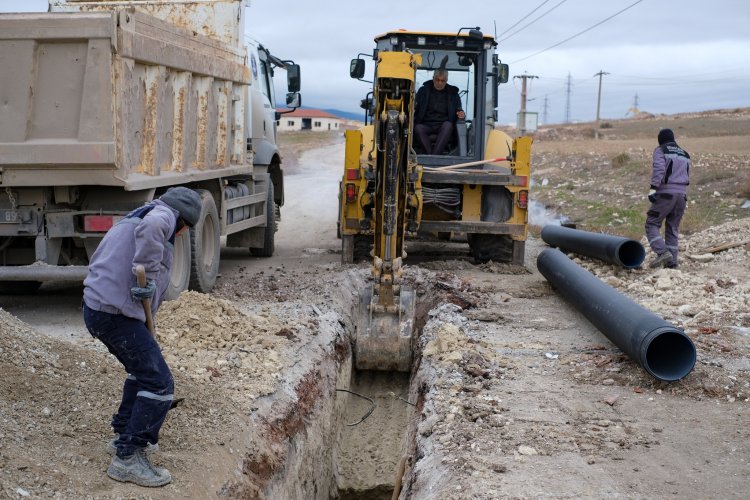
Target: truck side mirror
{"x":357,"y":68}
{"x":293,"y":100}
{"x":502,"y":73}
{"x":293,"y":78}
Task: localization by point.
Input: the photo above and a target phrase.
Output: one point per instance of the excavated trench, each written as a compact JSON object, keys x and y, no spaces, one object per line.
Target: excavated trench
{"x":355,"y":443}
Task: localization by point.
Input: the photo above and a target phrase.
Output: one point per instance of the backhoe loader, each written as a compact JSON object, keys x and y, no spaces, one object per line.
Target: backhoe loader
{"x":475,"y":189}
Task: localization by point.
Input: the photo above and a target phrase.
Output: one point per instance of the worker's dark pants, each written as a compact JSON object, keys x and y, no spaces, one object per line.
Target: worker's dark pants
{"x":443,"y":131}
{"x":668,"y":208}
{"x":149,"y":388}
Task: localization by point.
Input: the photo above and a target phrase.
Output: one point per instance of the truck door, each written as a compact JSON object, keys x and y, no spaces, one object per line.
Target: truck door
{"x":263,"y":107}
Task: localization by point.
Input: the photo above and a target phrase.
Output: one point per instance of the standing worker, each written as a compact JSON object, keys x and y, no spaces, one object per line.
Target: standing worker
{"x":668,"y":196}
{"x":114,"y":313}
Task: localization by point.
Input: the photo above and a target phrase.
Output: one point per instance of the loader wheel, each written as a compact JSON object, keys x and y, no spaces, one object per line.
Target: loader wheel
{"x":179,"y":280}
{"x":362,"y":247}
{"x":269,"y":233}
{"x":494,"y":247}
{"x":355,"y":248}
{"x":205,"y":246}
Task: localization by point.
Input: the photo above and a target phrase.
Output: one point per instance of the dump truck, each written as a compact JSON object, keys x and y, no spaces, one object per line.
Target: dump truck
{"x":104,"y":105}
{"x":475,"y":189}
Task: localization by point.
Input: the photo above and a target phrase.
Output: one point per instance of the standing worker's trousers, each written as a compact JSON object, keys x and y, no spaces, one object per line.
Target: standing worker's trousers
{"x":149,"y":388}
{"x":668,"y":208}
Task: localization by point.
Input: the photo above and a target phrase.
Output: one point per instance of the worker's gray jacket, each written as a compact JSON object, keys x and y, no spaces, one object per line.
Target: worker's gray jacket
{"x":145,"y":239}
{"x":671,"y":169}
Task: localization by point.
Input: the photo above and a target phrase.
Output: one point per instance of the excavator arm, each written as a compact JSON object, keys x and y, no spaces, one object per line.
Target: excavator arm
{"x":386,"y":320}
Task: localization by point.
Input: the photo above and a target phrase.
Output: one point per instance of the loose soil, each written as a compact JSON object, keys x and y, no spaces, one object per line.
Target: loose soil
{"x":513,"y":394}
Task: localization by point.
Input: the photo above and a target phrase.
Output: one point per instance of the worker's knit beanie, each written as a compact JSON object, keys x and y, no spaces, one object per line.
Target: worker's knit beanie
{"x":665,"y":135}
{"x":186,"y":201}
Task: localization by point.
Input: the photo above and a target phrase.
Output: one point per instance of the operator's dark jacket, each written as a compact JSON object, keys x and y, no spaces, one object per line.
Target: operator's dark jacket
{"x":423,"y":97}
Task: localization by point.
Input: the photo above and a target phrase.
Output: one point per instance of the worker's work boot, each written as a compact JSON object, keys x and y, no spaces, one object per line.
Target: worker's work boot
{"x":661,"y":260}
{"x":112,"y":447}
{"x":138,"y":469}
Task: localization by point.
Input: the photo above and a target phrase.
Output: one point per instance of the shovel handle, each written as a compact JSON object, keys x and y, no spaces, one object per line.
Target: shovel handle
{"x":140,"y":274}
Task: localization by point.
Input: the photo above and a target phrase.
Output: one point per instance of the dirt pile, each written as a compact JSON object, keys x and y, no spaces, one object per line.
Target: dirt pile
{"x":211,"y":341}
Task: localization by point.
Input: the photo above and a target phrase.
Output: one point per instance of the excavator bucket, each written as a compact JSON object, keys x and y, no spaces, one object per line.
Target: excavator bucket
{"x":383,"y":339}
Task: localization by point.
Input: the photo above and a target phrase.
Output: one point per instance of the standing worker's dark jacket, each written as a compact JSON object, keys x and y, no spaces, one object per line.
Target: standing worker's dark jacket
{"x":423,"y":97}
{"x":671,"y":169}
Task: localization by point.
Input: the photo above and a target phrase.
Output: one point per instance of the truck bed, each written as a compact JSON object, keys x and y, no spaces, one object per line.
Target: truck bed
{"x":117,"y":99}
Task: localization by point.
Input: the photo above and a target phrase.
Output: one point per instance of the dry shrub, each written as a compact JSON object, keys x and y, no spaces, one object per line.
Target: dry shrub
{"x":605,"y":125}
{"x":621,"y":160}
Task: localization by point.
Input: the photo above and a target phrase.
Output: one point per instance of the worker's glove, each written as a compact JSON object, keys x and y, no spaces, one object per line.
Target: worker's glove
{"x":652,"y":196}
{"x":144,"y":292}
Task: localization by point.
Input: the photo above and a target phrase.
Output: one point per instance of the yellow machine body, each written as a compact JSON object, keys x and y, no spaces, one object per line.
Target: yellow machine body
{"x":475,"y":190}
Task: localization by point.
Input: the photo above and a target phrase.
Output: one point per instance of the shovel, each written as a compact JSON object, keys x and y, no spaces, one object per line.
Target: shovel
{"x":140,"y":274}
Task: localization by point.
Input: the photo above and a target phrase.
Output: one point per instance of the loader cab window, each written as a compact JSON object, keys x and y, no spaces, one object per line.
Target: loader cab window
{"x":461,"y":72}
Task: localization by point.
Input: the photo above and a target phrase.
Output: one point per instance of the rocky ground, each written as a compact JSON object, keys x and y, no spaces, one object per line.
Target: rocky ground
{"x":514,"y":395}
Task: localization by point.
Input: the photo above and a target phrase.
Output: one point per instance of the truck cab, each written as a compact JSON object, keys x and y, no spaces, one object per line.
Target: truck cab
{"x":260,"y":121}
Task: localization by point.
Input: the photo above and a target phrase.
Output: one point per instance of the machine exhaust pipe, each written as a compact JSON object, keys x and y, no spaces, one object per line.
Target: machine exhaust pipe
{"x":662,"y":349}
{"x":613,"y":249}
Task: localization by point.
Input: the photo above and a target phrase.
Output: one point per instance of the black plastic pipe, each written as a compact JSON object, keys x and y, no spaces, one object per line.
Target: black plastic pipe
{"x":662,"y":349}
{"x":613,"y":249}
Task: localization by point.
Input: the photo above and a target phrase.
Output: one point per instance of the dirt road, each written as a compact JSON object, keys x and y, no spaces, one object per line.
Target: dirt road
{"x":515,"y":394}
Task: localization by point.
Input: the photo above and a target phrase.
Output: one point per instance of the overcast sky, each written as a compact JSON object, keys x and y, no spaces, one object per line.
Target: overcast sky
{"x":674,"y":55}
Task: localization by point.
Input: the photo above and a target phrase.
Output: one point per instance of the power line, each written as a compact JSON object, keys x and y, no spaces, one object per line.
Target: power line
{"x":521,"y":20}
{"x":533,"y":21}
{"x":580,"y":32}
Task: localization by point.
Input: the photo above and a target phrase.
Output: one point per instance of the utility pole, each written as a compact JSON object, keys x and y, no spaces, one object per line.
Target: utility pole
{"x":544,"y":110}
{"x":598,"y":102}
{"x":522,"y":113}
{"x":567,"y":102}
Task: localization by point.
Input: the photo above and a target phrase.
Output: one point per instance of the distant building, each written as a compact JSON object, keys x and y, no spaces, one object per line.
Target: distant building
{"x":308,"y":119}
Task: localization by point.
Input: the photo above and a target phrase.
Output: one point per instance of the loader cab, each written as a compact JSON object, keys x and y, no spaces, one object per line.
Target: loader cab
{"x":474,"y":72}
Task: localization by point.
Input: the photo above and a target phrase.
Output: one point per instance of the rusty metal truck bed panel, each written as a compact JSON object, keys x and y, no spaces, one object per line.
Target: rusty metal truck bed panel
{"x":117,"y":98}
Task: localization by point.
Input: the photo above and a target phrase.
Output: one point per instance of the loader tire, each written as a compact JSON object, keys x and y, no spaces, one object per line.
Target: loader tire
{"x":205,"y":245}
{"x":179,"y":280}
{"x":362,"y":247}
{"x":269,"y":232}
{"x":491,"y":247}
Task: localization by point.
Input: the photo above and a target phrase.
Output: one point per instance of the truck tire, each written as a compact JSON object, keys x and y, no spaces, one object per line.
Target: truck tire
{"x":494,"y":247}
{"x":205,"y":246}
{"x":269,"y":233}
{"x":179,"y":280}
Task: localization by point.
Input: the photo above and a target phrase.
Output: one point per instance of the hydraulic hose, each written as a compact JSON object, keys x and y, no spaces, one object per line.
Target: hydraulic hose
{"x":662,"y":349}
{"x":613,"y":249}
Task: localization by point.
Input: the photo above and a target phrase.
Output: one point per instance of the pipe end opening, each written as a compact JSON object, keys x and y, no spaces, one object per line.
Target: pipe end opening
{"x":670,"y":356}
{"x":631,"y":253}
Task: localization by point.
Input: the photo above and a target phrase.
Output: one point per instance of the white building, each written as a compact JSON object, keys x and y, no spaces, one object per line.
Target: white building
{"x":308,"y":119}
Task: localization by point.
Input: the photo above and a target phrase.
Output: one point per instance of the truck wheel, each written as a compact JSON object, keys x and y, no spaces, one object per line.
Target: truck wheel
{"x":179,"y":280}
{"x":19,"y":287}
{"x":494,"y":247}
{"x":205,"y":246}
{"x":269,"y":233}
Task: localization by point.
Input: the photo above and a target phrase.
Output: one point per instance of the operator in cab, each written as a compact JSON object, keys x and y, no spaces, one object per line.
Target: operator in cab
{"x":437,"y":108}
